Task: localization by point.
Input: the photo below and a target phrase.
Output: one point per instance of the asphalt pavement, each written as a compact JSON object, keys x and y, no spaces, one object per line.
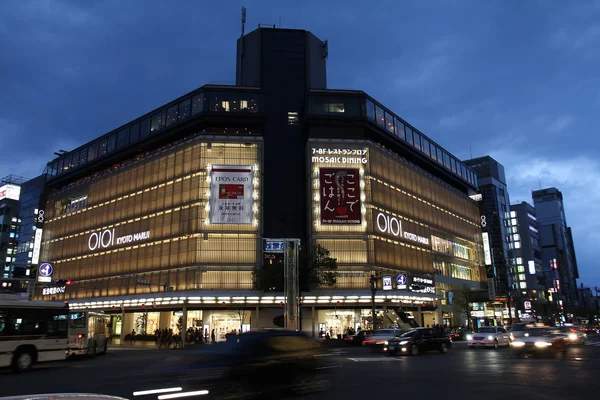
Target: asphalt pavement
{"x":465,"y":373}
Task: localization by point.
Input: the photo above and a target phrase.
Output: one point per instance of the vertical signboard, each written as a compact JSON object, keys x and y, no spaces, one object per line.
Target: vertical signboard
{"x":340,"y":196}
{"x":231,"y":194}
{"x":37,"y":244}
{"x":12,"y":192}
{"x":387,"y":283}
{"x":486,"y":249}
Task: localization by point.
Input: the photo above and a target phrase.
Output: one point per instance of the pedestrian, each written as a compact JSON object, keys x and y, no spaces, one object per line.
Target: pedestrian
{"x":133,"y":336}
{"x":213,"y":337}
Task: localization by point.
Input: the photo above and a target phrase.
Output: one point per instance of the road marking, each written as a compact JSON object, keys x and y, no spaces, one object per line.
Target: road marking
{"x":374,"y":359}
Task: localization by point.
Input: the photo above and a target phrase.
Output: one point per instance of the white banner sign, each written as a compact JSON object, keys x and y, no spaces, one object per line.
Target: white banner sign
{"x":486,"y":249}
{"x":37,"y":245}
{"x":231,"y":194}
{"x":12,"y":192}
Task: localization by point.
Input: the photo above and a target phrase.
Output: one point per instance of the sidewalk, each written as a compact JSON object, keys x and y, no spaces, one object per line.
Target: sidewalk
{"x":115,"y":343}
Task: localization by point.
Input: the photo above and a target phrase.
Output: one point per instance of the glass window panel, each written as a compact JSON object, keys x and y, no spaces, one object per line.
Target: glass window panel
{"x":145,"y":128}
{"x":83,"y":156}
{"x":389,"y":122}
{"x":370,"y":108}
{"x":425,"y":146}
{"x":446,"y":160}
{"x":102,"y":145}
{"x":158,"y":122}
{"x":123,"y":138}
{"x":379,"y":116}
{"x":453,"y":164}
{"x":197,"y":103}
{"x":134,"y":133}
{"x":417,"y":140}
{"x":184,"y":109}
{"x":172,"y":115}
{"x":400,"y":129}
{"x":93,"y":151}
{"x":75,"y":160}
{"x":67,"y":164}
{"x":440,"y":157}
{"x":409,"y":135}
{"x":112,"y":143}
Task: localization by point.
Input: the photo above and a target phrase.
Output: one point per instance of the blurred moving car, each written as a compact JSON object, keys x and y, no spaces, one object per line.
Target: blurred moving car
{"x":540,"y":341}
{"x":574,"y":335}
{"x":59,"y":396}
{"x":460,"y":334}
{"x":356,"y":340}
{"x":380,"y":337}
{"x":489,"y":336}
{"x":417,"y":341}
{"x":269,"y":363}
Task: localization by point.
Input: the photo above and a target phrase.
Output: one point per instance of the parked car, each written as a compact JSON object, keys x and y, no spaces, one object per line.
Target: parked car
{"x":417,"y":341}
{"x":489,"y":336}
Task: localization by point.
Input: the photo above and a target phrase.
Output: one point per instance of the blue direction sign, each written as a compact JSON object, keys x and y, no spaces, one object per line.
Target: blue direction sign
{"x":401,"y":280}
{"x":46,"y":269}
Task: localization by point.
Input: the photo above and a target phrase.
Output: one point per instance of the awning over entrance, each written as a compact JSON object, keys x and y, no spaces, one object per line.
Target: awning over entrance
{"x":250,"y":299}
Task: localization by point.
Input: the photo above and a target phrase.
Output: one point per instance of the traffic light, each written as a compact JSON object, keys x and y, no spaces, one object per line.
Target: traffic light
{"x":63,"y":282}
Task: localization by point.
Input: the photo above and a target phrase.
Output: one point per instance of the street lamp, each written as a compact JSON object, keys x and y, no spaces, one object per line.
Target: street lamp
{"x":373,"y":282}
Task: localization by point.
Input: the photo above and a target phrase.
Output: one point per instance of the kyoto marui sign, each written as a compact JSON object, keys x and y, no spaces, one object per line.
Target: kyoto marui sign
{"x":106,"y":238}
{"x":393,"y":226}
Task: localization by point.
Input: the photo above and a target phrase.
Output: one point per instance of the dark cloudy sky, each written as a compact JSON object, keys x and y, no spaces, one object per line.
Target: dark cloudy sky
{"x":519,"y":80}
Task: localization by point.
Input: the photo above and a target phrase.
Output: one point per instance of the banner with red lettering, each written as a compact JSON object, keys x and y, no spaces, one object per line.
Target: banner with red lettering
{"x":231,"y":194}
{"x":340,"y":196}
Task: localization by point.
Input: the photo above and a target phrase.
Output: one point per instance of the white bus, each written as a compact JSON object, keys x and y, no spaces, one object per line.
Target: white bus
{"x":32,"y":332}
{"x":88,"y":333}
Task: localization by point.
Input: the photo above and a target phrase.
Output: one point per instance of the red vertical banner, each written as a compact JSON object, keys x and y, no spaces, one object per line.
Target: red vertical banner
{"x":339,"y":193}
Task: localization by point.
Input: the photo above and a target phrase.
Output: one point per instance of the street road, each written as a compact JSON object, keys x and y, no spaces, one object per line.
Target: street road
{"x":470,"y":373}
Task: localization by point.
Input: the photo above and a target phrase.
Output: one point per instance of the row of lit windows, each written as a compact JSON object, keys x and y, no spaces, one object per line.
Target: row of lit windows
{"x":453,"y":270}
{"x":449,"y":247}
{"x":391,"y":123}
{"x":159,"y":121}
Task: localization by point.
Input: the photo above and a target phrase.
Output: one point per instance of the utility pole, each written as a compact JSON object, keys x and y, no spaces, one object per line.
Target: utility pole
{"x":373,"y":282}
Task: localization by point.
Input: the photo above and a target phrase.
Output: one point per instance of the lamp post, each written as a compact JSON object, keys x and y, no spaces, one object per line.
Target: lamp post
{"x":373,"y":282}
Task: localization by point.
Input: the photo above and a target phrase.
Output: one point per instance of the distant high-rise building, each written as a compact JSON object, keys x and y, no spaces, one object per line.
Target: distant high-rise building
{"x":10,"y":228}
{"x":558,"y":252}
{"x":527,"y":272}
{"x":494,"y":208}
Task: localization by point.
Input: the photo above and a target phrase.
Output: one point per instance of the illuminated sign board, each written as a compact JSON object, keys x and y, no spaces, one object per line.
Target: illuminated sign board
{"x":393,"y":226}
{"x":12,"y":192}
{"x":486,"y":249}
{"x":531,"y":265}
{"x":387,"y":283}
{"x":339,"y":194}
{"x":49,"y":291}
{"x":274,"y":245}
{"x":476,"y":197}
{"x":37,"y":245}
{"x":231,"y":194}
{"x":106,"y":238}
{"x":339,"y":156}
{"x":527,"y":305}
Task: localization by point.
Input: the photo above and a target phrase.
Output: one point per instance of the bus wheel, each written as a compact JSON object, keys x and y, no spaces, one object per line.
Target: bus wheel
{"x":22,"y":361}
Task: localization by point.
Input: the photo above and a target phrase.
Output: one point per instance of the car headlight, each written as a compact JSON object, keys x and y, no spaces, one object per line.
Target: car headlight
{"x":402,"y":343}
{"x":572,"y":336}
{"x":490,"y":337}
{"x":526,"y":334}
{"x":543,"y":344}
{"x":385,"y":343}
{"x":518,"y":344}
{"x":469,"y":337}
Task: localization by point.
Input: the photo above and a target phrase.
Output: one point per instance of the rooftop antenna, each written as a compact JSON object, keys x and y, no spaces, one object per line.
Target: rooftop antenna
{"x":470,"y":150}
{"x":540,"y":183}
{"x":243,"y":19}
{"x":280,"y":22}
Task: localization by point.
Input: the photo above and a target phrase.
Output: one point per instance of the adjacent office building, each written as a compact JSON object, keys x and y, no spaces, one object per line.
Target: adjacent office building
{"x":187,"y":198}
{"x":527,"y":272}
{"x":10,"y":228}
{"x":558,"y":251}
{"x":494,"y":222}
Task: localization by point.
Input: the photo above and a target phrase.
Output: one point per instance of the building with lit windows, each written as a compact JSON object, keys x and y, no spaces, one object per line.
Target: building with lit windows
{"x":498,"y":243}
{"x":529,"y":278}
{"x":172,"y":211}
{"x":10,"y":229}
{"x":558,"y":250}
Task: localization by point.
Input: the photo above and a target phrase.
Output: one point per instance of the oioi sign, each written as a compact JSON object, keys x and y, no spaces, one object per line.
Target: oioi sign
{"x":393,"y":226}
{"x":106,"y":238}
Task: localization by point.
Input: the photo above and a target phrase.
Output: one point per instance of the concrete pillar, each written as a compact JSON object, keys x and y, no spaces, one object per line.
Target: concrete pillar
{"x":127,"y":325}
{"x":183,"y":326}
{"x":312,"y":319}
{"x":420,"y":318}
{"x":256,"y":323}
{"x":164,"y":321}
{"x":384,"y":318}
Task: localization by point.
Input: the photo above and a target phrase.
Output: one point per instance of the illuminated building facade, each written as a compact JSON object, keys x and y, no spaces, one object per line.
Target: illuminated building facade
{"x":169,"y":212}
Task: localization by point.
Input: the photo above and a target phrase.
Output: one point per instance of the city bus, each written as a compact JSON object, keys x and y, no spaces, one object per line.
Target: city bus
{"x":32,"y":332}
{"x":88,"y":333}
